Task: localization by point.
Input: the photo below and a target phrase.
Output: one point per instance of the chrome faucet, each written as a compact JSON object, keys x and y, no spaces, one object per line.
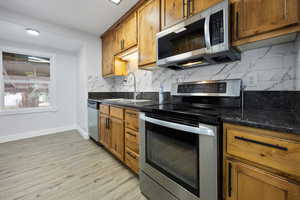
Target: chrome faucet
{"x":134,"y":79}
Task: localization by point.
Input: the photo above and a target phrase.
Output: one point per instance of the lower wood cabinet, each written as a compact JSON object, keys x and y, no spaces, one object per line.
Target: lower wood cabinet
{"x":117,"y":137}
{"x":132,"y":160}
{"x":245,"y":182}
{"x":105,"y":136}
{"x":260,"y":164}
{"x":119,"y":134}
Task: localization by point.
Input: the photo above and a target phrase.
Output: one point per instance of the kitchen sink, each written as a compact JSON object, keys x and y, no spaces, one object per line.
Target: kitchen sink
{"x":128,"y":100}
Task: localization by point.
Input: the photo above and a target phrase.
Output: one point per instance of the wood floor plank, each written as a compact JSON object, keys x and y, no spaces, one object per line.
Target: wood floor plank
{"x":63,"y":166}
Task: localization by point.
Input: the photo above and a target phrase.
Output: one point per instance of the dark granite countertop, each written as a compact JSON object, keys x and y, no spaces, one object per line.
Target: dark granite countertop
{"x":135,"y":105}
{"x":275,"y":120}
{"x":276,"y":111}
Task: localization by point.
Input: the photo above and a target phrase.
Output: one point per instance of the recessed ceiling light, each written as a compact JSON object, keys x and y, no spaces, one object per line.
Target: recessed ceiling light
{"x":115,"y":1}
{"x":31,"y":31}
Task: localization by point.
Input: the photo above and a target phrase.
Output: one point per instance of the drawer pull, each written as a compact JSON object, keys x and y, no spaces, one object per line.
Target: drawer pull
{"x":132,"y":114}
{"x":131,"y":134}
{"x":261,"y":143}
{"x":131,"y":155}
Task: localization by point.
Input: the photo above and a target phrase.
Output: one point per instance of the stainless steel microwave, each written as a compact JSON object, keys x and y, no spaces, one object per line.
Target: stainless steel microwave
{"x":202,"y":39}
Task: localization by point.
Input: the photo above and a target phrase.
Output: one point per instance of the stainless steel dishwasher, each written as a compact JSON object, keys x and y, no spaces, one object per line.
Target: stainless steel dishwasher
{"x":93,"y":116}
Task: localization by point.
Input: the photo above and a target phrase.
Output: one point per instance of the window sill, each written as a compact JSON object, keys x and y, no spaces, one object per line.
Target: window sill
{"x":27,"y":111}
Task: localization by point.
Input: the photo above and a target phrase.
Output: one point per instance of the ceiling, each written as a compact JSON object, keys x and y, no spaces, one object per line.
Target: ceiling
{"x":92,"y":16}
{"x":16,"y":33}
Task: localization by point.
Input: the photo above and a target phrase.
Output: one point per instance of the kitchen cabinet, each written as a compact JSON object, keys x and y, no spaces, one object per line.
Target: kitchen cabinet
{"x":260,"y":164}
{"x":248,"y":183}
{"x":108,"y":54}
{"x":196,"y":6}
{"x":119,"y":133}
{"x":255,"y":20}
{"x":111,"y":65}
{"x":149,"y":25}
{"x":132,"y":160}
{"x":132,"y":139}
{"x":173,"y":11}
{"x":126,"y":33}
{"x":117,"y":137}
{"x":105,"y":136}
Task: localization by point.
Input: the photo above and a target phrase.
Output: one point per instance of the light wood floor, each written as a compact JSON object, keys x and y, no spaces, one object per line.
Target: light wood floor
{"x":63,"y":166}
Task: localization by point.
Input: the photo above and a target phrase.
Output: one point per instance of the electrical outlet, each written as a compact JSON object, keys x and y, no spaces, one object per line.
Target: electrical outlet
{"x":252,"y":80}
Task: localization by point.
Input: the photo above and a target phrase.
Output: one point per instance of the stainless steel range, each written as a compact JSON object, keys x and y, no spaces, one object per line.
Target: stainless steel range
{"x":180,"y":142}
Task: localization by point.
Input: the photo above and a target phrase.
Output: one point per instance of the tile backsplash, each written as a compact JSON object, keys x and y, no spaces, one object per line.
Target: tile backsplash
{"x":268,"y":68}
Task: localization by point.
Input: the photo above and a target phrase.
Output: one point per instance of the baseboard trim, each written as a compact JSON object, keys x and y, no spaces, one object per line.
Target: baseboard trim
{"x":32,"y":134}
{"x":83,"y":133}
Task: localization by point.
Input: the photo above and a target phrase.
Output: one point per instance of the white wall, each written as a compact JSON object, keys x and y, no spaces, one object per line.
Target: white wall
{"x":87,"y":60}
{"x":65,"y":116}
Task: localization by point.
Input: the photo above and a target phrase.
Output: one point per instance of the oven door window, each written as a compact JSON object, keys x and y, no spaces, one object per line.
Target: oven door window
{"x":175,"y":154}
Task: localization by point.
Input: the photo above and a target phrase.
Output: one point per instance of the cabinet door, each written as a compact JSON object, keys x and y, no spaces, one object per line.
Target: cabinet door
{"x":197,"y":6}
{"x":260,"y":16}
{"x":149,"y":25}
{"x":173,"y":11}
{"x":119,"y":38}
{"x":105,"y":135}
{"x":130,"y":31}
{"x":245,"y":182}
{"x":117,"y":137}
{"x":103,"y":129}
{"x":108,"y":54}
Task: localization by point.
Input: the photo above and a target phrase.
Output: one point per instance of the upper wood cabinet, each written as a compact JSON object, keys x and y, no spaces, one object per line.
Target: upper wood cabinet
{"x":130,"y":31}
{"x":253,"y":18}
{"x":173,"y":11}
{"x":126,"y":33}
{"x":247,"y":183}
{"x":196,"y":6}
{"x":108,"y":53}
{"x":149,"y":25}
{"x":111,"y":65}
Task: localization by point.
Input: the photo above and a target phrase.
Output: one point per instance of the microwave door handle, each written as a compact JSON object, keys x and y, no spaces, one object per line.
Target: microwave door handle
{"x":200,"y":130}
{"x":206,"y":32}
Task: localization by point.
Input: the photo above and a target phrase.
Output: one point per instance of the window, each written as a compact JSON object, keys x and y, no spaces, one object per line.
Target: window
{"x":26,"y":82}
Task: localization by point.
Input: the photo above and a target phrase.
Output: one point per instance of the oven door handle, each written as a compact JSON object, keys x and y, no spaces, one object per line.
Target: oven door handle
{"x":202,"y":129}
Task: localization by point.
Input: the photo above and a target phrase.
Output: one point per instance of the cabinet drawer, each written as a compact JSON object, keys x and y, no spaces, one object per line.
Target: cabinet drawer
{"x":256,"y":145}
{"x":132,"y":140}
{"x":132,"y":160}
{"x":132,"y":119}
{"x":104,"y":109}
{"x":116,"y":112}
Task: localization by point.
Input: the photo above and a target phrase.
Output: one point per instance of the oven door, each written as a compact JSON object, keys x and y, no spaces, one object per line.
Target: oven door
{"x":181,"y":158}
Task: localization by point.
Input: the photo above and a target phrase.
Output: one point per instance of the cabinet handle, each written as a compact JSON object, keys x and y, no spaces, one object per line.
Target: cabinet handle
{"x":189,"y":10}
{"x":237,"y":25}
{"x":183,"y":8}
{"x":261,"y":143}
{"x":229,"y":179}
{"x":122,"y":44}
{"x":285,"y":9}
{"x":108,"y":123}
{"x":131,"y":134}
{"x":131,"y":114}
{"x":131,"y":155}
